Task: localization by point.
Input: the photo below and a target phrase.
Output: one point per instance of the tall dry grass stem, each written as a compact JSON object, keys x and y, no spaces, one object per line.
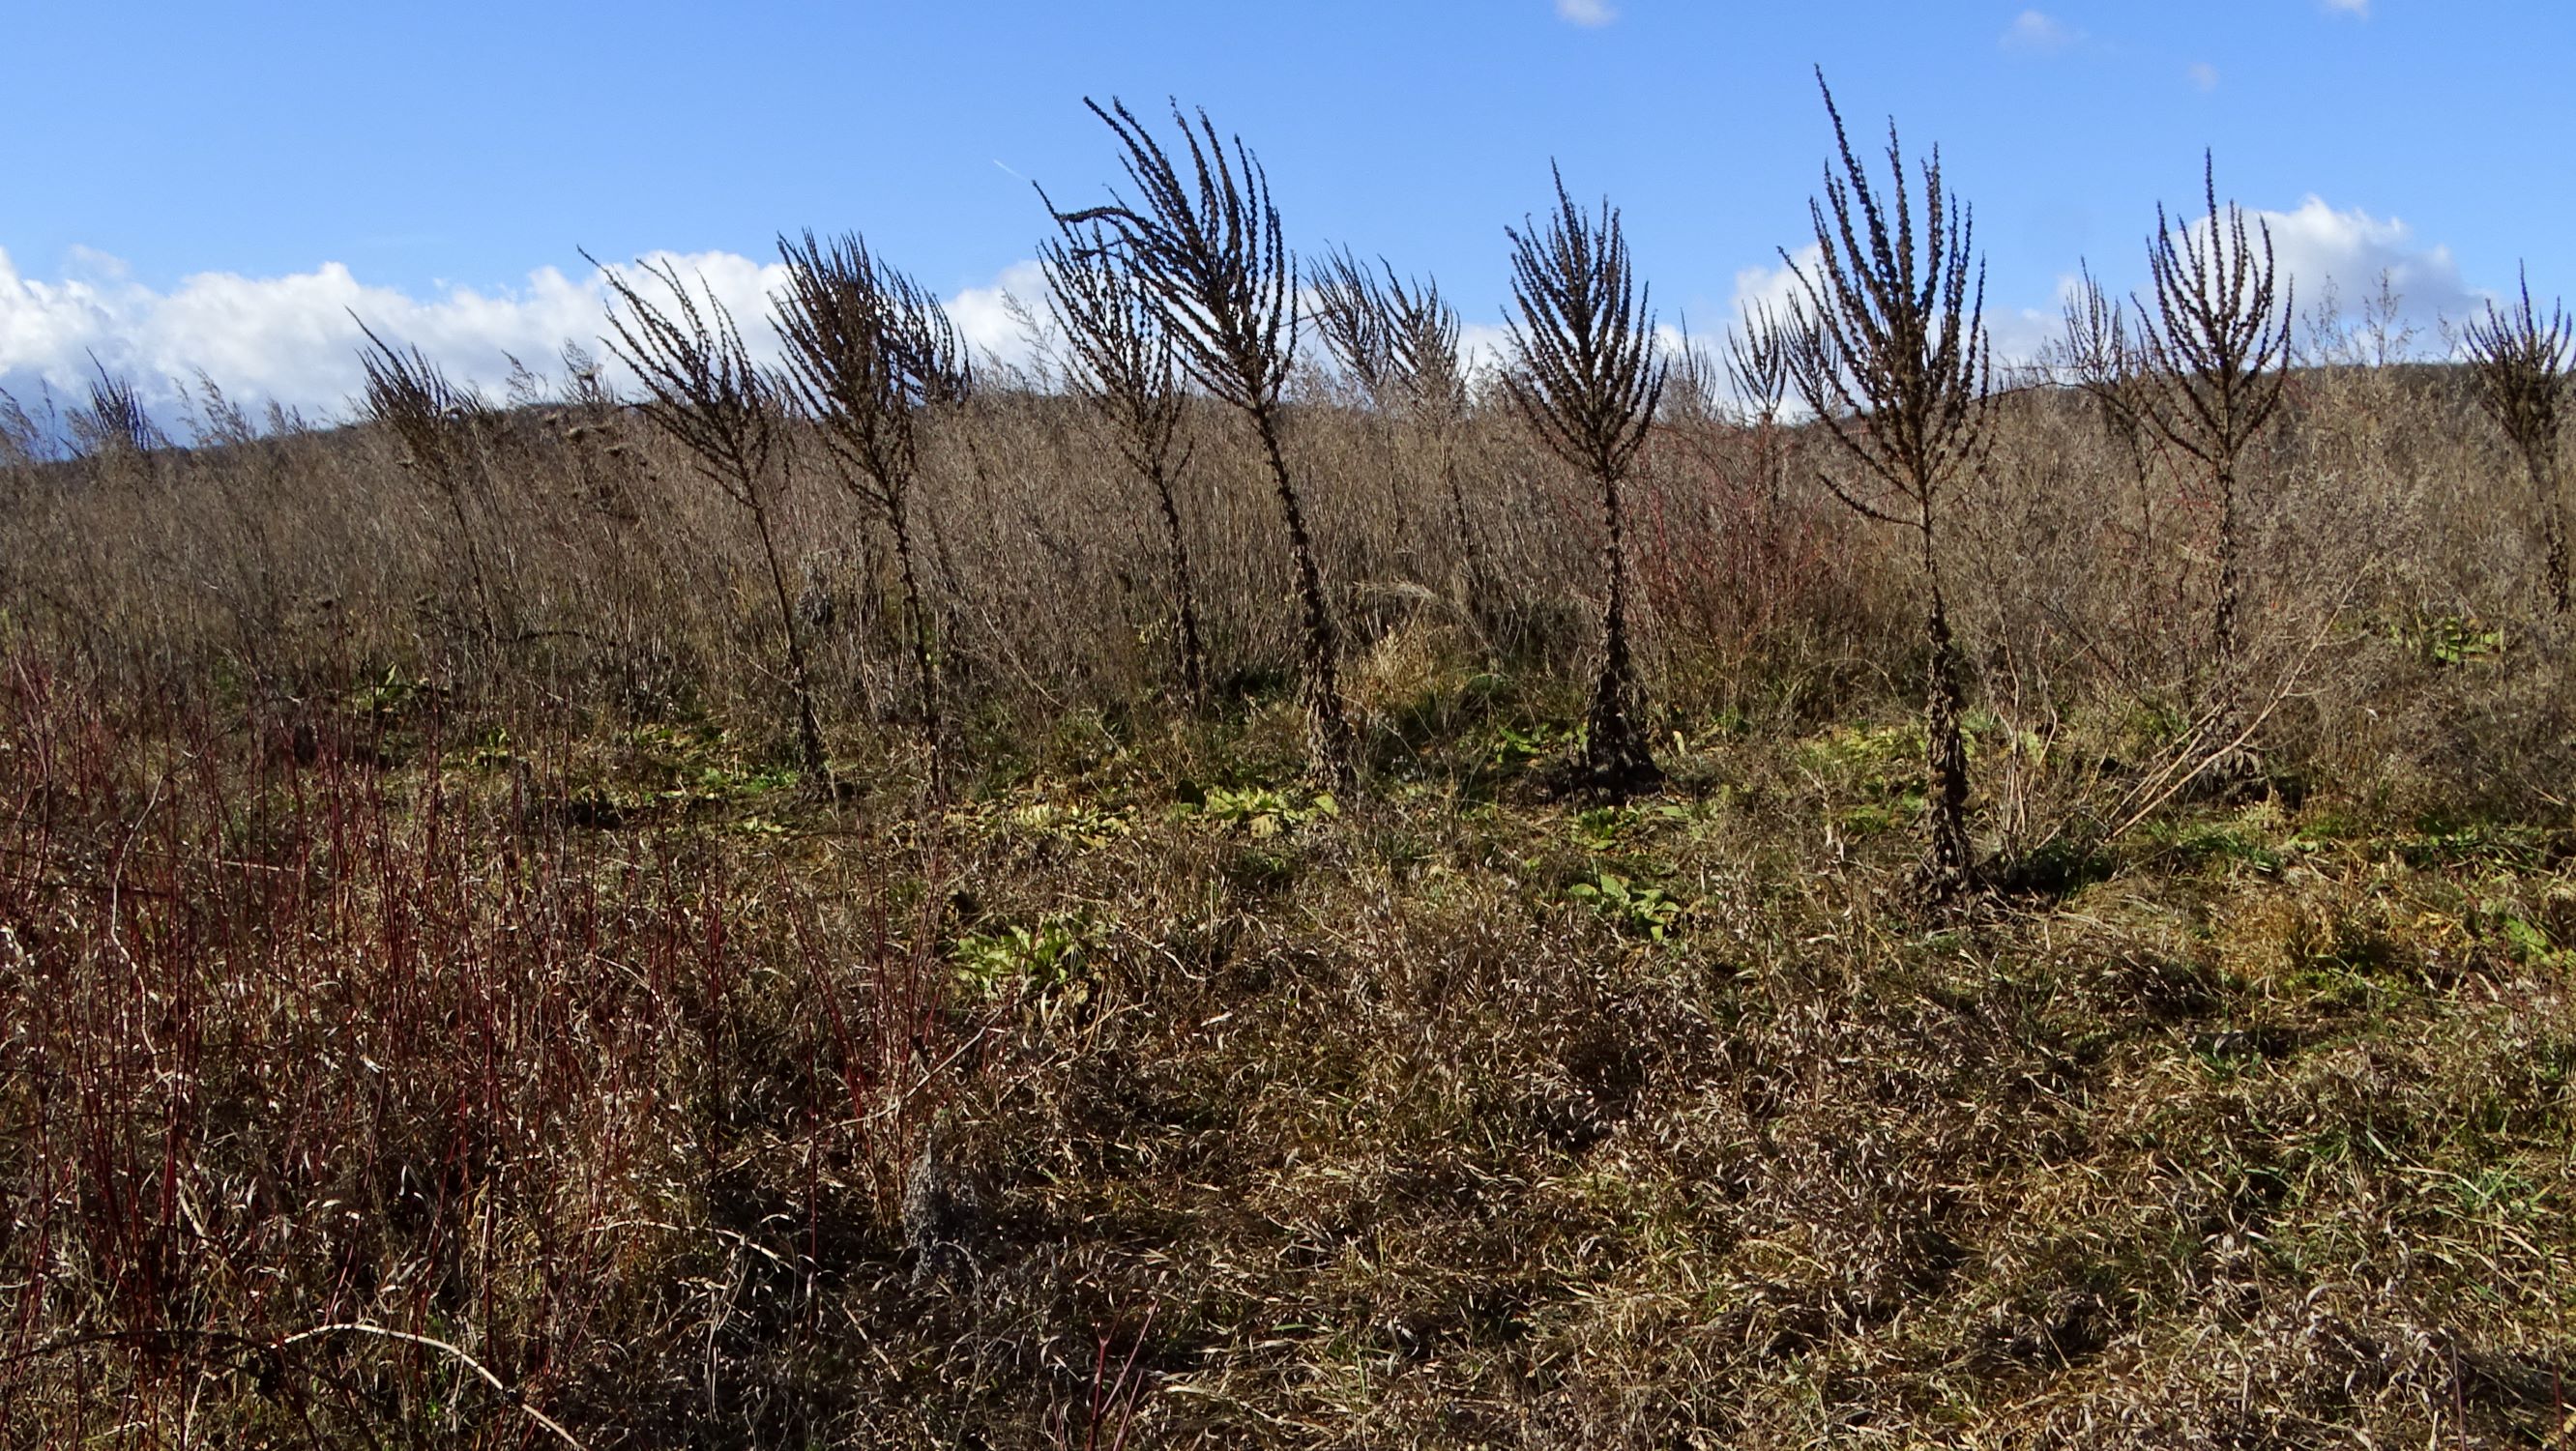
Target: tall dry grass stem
{"x":2098,"y":357}
{"x":115,"y":420}
{"x":441,"y":428}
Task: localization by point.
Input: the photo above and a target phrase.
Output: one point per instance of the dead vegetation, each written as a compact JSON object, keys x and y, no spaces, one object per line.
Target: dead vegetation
{"x":1886,"y":344}
{"x":440,"y":1009}
{"x":1586,"y":379}
{"x":1211,"y":255}
{"x":2519,"y":358}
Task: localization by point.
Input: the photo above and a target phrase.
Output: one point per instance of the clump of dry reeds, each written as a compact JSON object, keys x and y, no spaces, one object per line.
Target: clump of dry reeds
{"x":441,"y":428}
{"x":1586,"y":379}
{"x":115,"y":419}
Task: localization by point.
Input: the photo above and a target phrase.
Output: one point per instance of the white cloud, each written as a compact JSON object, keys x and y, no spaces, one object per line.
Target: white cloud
{"x":293,"y":339}
{"x":2344,"y":255}
{"x":1485,"y":347}
{"x":985,"y":317}
{"x":1586,"y":12}
{"x":2358,"y":8}
{"x":2203,"y":75}
{"x":1775,"y":287}
{"x":2340,"y":261}
{"x":2035,"y":33}
{"x":2018,"y":337}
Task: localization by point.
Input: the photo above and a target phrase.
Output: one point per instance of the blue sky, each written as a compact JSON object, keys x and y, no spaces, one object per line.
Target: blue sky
{"x":198,"y":185}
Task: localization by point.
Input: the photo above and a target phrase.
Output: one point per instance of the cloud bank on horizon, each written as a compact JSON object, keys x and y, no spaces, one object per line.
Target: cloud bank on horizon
{"x":295,"y":339}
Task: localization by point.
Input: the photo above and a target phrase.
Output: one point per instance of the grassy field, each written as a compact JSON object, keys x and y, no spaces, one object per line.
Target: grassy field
{"x":903,"y":903}
{"x":413,"y":1032}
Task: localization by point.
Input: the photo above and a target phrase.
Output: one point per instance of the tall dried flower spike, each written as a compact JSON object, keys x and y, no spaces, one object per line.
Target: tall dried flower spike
{"x":1355,"y":319}
{"x":702,"y":388}
{"x":2519,"y":357}
{"x":1428,"y":380}
{"x":1122,"y":364}
{"x":870,"y":353}
{"x":1586,"y":380}
{"x":1886,"y":342}
{"x":2216,"y":348}
{"x":1209,"y":251}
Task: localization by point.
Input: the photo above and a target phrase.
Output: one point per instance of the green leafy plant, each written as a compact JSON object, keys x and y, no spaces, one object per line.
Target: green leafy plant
{"x":1263,"y":811}
{"x":1630,"y":906}
{"x":1514,"y":747}
{"x":2238,"y":843}
{"x":1031,"y":961}
{"x":1086,"y":825}
{"x":2526,"y":941}
{"x":1599,"y":828}
{"x":1872,"y":763}
{"x":388,"y":696}
{"x":733,"y":779}
{"x":493,"y":751}
{"x":2451,"y":639}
